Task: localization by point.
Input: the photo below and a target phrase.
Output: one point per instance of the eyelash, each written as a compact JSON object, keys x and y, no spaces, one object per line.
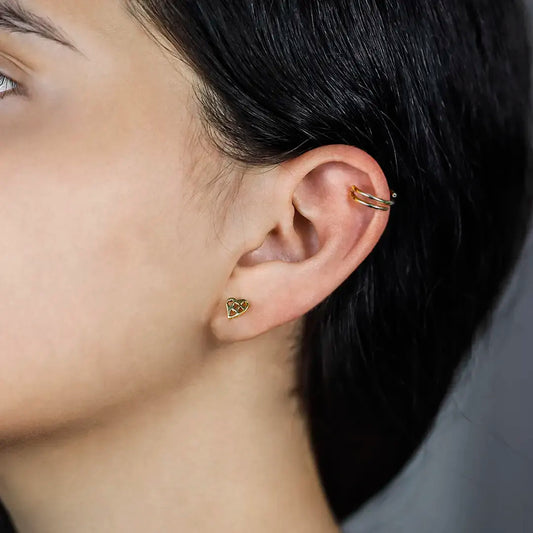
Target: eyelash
{"x":17,"y":88}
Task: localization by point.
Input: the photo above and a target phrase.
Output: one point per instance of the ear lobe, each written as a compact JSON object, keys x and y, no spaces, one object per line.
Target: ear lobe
{"x":323,"y":235}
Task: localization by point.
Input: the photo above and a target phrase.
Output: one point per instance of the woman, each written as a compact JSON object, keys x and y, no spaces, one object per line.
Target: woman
{"x":246,"y":245}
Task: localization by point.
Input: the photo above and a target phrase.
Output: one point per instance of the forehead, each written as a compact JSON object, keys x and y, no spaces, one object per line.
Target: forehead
{"x":89,"y":12}
{"x":77,"y":20}
{"x":104,"y":31}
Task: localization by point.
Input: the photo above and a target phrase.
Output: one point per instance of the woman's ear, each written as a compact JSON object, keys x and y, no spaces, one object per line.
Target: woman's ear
{"x":316,"y":236}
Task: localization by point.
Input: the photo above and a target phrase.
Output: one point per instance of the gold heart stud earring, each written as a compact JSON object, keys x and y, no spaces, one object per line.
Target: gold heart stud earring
{"x":235,"y":307}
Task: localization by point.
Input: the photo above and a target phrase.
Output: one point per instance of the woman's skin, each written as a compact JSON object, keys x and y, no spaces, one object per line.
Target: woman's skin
{"x":128,"y":400}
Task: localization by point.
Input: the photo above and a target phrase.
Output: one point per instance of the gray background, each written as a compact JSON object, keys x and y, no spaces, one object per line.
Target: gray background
{"x":474,"y":472}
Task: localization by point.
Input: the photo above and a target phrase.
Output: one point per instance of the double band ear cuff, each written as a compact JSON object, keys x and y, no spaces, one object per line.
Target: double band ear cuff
{"x":356,"y":190}
{"x":237,"y":307}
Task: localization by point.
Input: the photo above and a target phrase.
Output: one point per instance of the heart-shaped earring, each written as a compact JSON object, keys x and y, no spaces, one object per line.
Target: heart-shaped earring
{"x":235,"y":307}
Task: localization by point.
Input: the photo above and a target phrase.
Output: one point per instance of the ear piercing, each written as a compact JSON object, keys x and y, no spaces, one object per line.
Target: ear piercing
{"x":235,"y":307}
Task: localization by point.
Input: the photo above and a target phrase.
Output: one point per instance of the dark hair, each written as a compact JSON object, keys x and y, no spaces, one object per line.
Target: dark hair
{"x":438,"y":92}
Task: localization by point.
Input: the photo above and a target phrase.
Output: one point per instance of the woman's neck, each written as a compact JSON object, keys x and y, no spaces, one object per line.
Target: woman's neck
{"x":223,"y":452}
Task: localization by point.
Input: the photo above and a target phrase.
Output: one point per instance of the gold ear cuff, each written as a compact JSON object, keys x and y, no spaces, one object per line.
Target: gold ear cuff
{"x":237,"y":307}
{"x":354,"y":190}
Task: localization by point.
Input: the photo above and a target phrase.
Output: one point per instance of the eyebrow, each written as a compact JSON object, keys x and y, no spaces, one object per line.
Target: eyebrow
{"x":15,"y":18}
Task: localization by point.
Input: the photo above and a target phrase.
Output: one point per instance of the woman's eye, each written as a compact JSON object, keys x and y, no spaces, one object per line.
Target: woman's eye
{"x":8,"y":86}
